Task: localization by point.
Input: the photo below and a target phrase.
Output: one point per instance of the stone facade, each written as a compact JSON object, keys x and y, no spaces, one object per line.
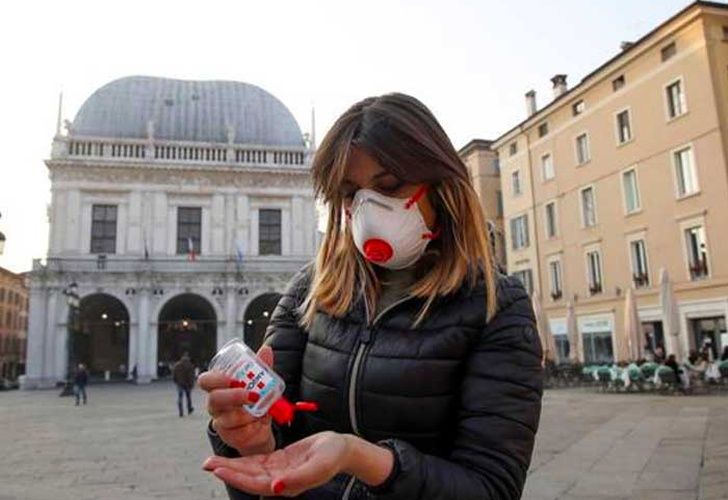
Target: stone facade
{"x":13,"y":324}
{"x":148,"y":181}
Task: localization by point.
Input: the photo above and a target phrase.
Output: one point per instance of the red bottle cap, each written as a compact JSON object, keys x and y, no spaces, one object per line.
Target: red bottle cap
{"x":283,"y":411}
{"x":378,"y":250}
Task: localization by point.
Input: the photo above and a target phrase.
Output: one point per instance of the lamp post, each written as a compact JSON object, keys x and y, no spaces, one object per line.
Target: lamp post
{"x":72,"y":298}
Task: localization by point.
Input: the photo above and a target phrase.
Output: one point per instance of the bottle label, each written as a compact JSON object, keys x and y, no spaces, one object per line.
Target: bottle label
{"x":257,"y":379}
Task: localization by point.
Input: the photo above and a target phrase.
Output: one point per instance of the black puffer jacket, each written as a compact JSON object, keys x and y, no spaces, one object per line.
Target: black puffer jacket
{"x":456,"y":399}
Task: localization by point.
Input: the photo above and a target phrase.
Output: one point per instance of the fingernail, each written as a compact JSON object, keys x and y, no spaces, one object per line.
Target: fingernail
{"x":278,"y":486}
{"x":253,"y":397}
{"x":207,"y":465}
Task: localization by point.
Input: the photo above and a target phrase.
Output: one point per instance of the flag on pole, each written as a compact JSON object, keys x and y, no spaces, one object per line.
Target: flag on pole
{"x":191,"y":249}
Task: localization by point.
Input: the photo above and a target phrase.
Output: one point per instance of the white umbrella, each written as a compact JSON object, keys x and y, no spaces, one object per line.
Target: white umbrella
{"x":670,"y":317}
{"x":548,"y":343}
{"x":632,"y":327}
{"x":572,"y":332}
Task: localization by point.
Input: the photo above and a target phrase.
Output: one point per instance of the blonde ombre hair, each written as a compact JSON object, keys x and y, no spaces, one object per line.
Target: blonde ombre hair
{"x":405,"y":138}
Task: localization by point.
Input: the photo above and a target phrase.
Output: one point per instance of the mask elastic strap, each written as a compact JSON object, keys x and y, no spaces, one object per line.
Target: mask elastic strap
{"x":416,"y":197}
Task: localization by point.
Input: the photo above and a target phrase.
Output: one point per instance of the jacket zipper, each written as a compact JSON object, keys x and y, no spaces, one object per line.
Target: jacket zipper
{"x":364,"y":344}
{"x":360,"y":352}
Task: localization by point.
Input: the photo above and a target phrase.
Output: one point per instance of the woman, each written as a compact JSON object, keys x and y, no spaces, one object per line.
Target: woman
{"x":425,"y":363}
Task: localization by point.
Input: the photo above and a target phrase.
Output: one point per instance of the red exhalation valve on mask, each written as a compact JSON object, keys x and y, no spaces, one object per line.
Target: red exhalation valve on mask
{"x":377,"y":250}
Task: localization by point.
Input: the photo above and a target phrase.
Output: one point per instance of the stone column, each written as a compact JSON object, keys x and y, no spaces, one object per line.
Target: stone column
{"x":49,"y":345}
{"x":36,"y":337}
{"x":146,"y":363}
{"x":59,"y":337}
{"x":230,"y":315}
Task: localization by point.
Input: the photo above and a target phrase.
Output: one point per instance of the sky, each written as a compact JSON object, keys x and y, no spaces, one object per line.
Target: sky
{"x":470,"y":62}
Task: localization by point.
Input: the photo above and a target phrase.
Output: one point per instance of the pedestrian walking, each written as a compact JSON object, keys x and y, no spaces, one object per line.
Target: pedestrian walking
{"x":80,"y":381}
{"x":183,"y":375}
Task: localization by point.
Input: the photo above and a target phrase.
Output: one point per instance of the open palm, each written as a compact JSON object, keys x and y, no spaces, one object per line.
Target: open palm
{"x":299,"y":467}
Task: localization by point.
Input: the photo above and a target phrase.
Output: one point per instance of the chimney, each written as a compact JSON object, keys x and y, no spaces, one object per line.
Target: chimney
{"x":559,"y":82}
{"x":530,"y":103}
{"x":626,"y":45}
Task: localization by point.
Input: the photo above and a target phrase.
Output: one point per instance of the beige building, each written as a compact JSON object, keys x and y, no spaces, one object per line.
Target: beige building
{"x":623,"y":175}
{"x":483,"y":165}
{"x":13,"y":324}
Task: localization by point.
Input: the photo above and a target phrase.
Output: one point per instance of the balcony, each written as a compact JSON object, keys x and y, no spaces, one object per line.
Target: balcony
{"x":698,"y":269}
{"x":595,"y":289}
{"x":178,"y":152}
{"x":641,"y":280}
{"x":112,"y":264}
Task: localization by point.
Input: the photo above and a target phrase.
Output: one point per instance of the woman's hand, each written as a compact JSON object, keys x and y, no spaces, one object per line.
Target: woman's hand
{"x":304,"y":465}
{"x":235,"y":426}
{"x":308,"y":463}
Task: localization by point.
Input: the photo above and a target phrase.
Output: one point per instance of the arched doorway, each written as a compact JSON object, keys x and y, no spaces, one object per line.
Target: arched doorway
{"x":257,"y":317}
{"x":187,"y":323}
{"x":101,"y":339}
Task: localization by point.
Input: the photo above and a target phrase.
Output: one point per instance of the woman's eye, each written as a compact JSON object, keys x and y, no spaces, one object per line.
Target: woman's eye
{"x":393,"y":188}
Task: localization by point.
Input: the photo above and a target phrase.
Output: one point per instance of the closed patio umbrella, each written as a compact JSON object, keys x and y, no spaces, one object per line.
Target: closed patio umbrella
{"x":576,"y":351}
{"x":548,"y":344}
{"x":632,"y":327}
{"x":670,"y":317}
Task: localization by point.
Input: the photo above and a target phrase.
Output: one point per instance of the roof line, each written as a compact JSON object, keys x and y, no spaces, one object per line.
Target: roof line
{"x":632,"y":48}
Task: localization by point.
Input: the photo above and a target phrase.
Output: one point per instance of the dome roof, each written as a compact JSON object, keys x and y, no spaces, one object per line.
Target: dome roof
{"x":205,"y":111}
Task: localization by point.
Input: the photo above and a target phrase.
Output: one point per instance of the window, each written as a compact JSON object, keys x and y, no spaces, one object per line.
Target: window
{"x":526,"y":278}
{"x":594,"y":271}
{"x":668,"y":51}
{"x":189,"y":229}
{"x":519,"y":232}
{"x":577,"y":108}
{"x":686,"y":177}
{"x":624,"y":127}
{"x":697,"y":252}
{"x":550,"y":211}
{"x":543,"y":129}
{"x":630,"y":191}
{"x":513,"y":148}
{"x":638,"y":254}
{"x":675,"y":96}
{"x":725,"y":33}
{"x":582,"y":149}
{"x":496,"y":165}
{"x":547,"y":167}
{"x":588,"y":207}
{"x":555,"y":277}
{"x":516,"y":182}
{"x":2,"y":294}
{"x":499,"y":203}
{"x":103,"y":229}
{"x":618,"y":83}
{"x":269,"y":232}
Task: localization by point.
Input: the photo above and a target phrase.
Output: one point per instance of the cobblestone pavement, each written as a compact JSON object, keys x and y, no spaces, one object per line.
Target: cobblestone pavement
{"x":630,"y":446}
{"x":129,"y":443}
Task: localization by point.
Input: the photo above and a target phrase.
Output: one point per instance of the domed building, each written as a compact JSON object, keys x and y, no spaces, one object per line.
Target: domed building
{"x":179,"y":211}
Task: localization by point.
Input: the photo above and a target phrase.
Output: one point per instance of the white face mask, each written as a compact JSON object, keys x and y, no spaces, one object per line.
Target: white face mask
{"x":389,"y":232}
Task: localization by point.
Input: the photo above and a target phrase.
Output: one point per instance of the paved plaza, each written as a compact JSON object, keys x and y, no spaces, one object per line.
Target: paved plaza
{"x":129,"y":443}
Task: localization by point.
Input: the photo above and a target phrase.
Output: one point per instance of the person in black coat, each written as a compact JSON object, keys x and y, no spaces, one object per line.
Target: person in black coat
{"x":80,"y":381}
{"x":424,"y":360}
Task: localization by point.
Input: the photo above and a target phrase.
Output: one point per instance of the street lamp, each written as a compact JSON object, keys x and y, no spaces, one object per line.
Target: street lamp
{"x":72,"y":298}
